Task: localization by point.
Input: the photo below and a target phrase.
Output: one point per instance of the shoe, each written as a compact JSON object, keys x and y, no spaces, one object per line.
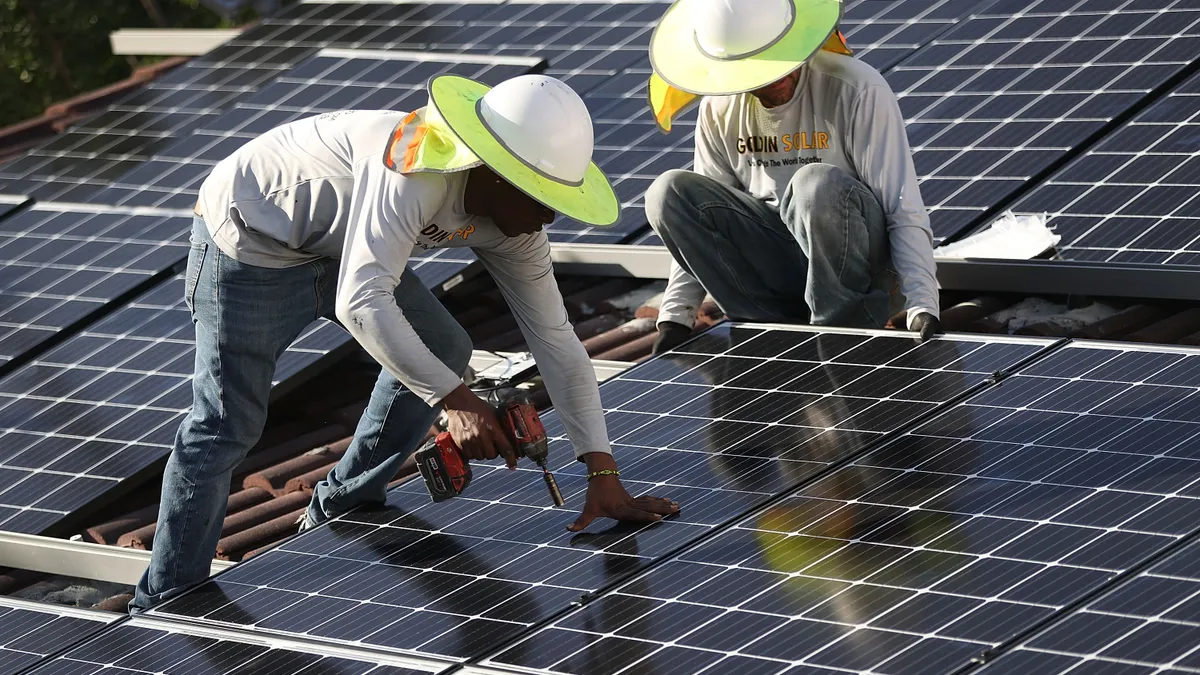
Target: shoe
{"x":305,"y":522}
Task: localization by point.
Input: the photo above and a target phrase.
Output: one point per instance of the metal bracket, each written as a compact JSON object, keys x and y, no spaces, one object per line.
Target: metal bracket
{"x":84,"y":560}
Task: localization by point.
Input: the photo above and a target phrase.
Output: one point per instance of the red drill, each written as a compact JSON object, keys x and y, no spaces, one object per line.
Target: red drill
{"x":446,"y":471}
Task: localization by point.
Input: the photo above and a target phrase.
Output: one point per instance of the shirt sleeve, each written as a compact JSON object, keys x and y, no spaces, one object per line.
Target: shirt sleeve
{"x":881,"y":154}
{"x":386,"y":212}
{"x":522,"y":269}
{"x":711,"y":157}
{"x":682,"y":297}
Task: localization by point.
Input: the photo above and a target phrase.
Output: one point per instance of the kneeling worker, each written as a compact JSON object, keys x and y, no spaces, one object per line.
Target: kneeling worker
{"x":803,"y":196}
{"x":320,"y":216}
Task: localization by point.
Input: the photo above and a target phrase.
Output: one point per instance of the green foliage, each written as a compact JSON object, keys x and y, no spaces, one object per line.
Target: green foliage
{"x":52,"y":50}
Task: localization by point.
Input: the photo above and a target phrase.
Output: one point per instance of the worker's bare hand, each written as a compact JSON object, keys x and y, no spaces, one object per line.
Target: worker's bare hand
{"x":607,"y":498}
{"x":473,"y":425}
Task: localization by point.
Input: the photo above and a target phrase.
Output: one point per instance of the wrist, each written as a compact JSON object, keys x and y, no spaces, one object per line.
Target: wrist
{"x":599,"y":461}
{"x":458,"y":398}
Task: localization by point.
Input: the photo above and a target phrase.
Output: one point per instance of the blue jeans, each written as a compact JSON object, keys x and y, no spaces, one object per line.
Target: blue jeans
{"x":245,"y":317}
{"x":822,"y":258}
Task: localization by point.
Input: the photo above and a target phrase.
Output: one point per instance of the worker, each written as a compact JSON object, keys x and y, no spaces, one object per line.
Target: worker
{"x":320,"y":216}
{"x":802,"y":204}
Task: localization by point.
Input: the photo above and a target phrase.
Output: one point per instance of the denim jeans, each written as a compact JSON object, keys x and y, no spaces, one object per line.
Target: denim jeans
{"x":822,"y":258}
{"x":245,"y":317}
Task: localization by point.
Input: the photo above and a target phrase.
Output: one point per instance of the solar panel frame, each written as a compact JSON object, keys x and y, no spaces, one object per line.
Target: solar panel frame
{"x":32,"y":631}
{"x":389,"y":578}
{"x":928,"y":550}
{"x":1014,"y":90}
{"x":92,"y":417}
{"x":140,"y":645}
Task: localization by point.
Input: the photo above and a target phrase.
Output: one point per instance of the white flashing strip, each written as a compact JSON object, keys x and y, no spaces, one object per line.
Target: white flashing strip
{"x":173,"y":624}
{"x":169,"y":41}
{"x":445,"y":57}
{"x":82,"y":559}
{"x":73,"y":207}
{"x":13,"y":199}
{"x":641,"y":262}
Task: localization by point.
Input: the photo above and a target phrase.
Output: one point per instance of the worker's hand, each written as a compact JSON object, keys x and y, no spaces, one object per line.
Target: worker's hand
{"x":607,"y":498}
{"x":926,"y":324}
{"x":473,"y":425}
{"x":670,"y":336}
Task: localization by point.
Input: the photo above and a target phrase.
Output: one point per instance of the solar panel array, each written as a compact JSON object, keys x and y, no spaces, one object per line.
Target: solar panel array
{"x":95,"y":413}
{"x":1014,"y":88}
{"x":29,"y":632}
{"x":1131,"y":198}
{"x":742,"y":415}
{"x":976,"y":525}
{"x":1148,"y":625}
{"x":63,"y":265}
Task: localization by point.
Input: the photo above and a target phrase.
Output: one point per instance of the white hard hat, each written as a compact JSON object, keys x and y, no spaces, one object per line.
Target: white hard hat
{"x":732,"y":29}
{"x":544,"y":123}
{"x":536,"y":133}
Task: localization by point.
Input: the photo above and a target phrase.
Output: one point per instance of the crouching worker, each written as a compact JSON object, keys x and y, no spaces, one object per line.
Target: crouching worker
{"x":320,"y":216}
{"x":802,"y":205}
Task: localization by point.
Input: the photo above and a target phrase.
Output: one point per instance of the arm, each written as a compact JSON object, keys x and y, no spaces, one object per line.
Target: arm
{"x":387,"y":211}
{"x":881,"y":154}
{"x":521,"y":268}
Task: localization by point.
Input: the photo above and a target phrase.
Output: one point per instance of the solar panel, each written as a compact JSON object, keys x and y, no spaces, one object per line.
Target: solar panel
{"x":96,"y":413}
{"x":741,"y":414}
{"x":1130,"y":199}
{"x":63,"y":264}
{"x":1019,"y":86}
{"x":29,"y":632}
{"x":330,"y":80}
{"x":72,"y":166}
{"x":976,"y":524}
{"x":1149,"y":623}
{"x":141,"y":646}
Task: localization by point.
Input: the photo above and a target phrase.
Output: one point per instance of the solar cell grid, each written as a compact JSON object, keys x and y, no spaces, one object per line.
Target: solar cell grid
{"x":1131,"y":199}
{"x":61,"y":264}
{"x":1011,"y":90}
{"x":741,"y":414}
{"x":975,"y":525}
{"x":29,"y":632}
{"x":141,"y":646}
{"x":1148,"y":624}
{"x":103,"y":406}
{"x":328,"y":81}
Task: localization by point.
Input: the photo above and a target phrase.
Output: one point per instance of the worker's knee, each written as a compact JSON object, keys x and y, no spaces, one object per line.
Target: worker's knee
{"x":670,"y":196}
{"x":817,"y":183}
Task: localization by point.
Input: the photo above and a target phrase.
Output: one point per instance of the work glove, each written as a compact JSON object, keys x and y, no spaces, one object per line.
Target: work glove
{"x":926,"y":324}
{"x":670,"y":336}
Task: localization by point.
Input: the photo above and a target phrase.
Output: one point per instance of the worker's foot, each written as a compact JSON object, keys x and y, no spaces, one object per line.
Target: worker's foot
{"x":305,"y":522}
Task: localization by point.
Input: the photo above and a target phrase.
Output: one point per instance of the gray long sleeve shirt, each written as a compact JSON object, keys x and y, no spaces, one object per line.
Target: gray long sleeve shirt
{"x":843,"y":114}
{"x":319,"y":187}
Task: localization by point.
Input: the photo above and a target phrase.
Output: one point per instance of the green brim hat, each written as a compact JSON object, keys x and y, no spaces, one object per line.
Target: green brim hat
{"x":683,"y":62}
{"x":590,"y":201}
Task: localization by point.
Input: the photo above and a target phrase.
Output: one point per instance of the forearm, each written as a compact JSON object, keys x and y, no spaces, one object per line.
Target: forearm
{"x":912,"y":256}
{"x":682,"y":297}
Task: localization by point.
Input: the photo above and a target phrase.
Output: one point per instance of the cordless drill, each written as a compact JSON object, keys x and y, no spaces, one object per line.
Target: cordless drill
{"x":446,"y":471}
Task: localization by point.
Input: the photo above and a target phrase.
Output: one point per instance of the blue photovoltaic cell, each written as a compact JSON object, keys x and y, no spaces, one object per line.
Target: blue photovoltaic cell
{"x":1016,"y":87}
{"x":739,"y":415}
{"x":30,"y":632}
{"x":61,"y":267}
{"x":1147,"y":624}
{"x":979,"y":523}
{"x":1132,"y":198}
{"x":103,"y":406}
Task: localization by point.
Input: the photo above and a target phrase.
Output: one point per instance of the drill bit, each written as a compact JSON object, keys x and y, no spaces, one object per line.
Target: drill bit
{"x":551,"y":484}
